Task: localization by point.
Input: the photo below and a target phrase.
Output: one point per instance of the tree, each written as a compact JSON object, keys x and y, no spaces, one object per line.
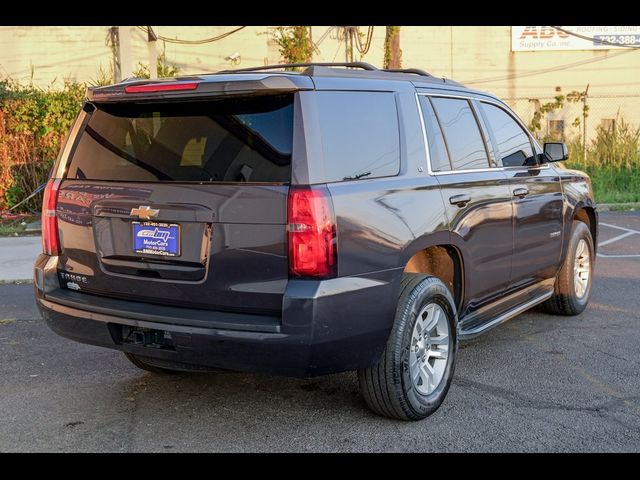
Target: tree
{"x":294,"y":44}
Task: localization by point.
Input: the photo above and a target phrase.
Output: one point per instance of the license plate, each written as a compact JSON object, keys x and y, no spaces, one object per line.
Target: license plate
{"x":156,"y":238}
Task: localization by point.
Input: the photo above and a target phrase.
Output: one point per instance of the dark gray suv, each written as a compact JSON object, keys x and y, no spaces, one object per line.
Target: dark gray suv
{"x":305,"y":223}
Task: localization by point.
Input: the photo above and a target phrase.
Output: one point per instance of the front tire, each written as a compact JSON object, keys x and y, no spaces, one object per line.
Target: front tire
{"x":415,"y":371}
{"x":573,"y":282}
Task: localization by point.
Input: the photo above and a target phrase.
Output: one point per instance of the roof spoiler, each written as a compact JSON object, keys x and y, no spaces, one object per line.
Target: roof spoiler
{"x":197,"y":87}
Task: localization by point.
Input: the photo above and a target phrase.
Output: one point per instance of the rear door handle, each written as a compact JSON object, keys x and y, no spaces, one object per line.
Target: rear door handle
{"x":520,"y":192}
{"x":459,"y":200}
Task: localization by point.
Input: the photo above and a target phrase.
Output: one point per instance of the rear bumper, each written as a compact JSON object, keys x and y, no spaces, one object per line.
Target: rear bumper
{"x":326,"y":326}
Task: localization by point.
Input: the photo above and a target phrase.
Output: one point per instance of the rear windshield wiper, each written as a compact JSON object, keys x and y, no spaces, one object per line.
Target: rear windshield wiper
{"x":358,"y":176}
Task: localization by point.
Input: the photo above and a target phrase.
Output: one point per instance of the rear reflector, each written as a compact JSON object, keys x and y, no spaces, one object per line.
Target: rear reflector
{"x":50,"y":239}
{"x":311,"y":229}
{"x":161,"y":87}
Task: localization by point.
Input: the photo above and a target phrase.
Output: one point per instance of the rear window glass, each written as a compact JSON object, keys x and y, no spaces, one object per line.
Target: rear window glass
{"x":230,"y":140}
{"x":360,"y":135}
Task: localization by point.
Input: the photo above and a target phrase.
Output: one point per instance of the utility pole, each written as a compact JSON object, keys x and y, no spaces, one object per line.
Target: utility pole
{"x":348,"y":43}
{"x":125,"y":54}
{"x":392,"y":52}
{"x":153,"y":53}
{"x":352,"y":32}
{"x":345,"y":32}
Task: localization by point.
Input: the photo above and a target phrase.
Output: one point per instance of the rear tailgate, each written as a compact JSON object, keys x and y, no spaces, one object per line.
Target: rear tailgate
{"x":180,"y":203}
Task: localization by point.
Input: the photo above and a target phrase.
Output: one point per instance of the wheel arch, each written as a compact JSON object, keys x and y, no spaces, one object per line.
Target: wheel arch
{"x":437,"y":256}
{"x":588,"y":215}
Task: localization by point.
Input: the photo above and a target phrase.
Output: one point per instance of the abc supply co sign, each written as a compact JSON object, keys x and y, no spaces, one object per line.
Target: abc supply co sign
{"x":528,"y":39}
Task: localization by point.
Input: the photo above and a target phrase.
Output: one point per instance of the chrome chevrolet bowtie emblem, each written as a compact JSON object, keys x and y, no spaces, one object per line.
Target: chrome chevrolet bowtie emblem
{"x":144,"y":212}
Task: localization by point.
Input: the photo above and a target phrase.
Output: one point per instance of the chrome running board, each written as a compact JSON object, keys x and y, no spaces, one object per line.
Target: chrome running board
{"x":508,"y":315}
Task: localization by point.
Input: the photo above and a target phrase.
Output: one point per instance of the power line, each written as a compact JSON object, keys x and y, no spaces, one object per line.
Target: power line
{"x":337,"y":50}
{"x":592,"y":39}
{"x":324,"y":35}
{"x":567,"y":66}
{"x":548,"y":70}
{"x":612,"y":95}
{"x":194,"y":42}
{"x":363,"y":48}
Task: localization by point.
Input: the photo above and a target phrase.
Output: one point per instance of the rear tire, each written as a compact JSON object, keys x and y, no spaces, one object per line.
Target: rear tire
{"x":139,"y":362}
{"x":415,"y":371}
{"x":573,"y":282}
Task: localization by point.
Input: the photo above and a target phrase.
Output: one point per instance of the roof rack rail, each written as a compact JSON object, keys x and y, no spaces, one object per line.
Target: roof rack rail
{"x":415,"y":71}
{"x":362,"y":65}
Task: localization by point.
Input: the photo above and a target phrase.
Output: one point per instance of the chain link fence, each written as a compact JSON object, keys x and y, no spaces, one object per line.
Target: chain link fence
{"x":603,"y":139}
{"x":570,"y":123}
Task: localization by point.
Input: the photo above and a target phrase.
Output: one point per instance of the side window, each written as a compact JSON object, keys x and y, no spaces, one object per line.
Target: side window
{"x":360,"y":135}
{"x":438,"y":154}
{"x":514,"y":146}
{"x":461,"y":132}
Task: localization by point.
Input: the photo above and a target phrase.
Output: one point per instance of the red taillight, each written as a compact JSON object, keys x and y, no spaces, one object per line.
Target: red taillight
{"x":312,"y":233}
{"x":50,"y":239}
{"x":161,"y":87}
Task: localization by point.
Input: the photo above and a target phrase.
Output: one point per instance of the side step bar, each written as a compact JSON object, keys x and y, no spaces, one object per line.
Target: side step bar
{"x":508,"y":315}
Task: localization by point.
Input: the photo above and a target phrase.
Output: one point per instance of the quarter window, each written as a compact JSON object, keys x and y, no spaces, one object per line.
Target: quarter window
{"x":514,"y":146}
{"x":360,"y":135}
{"x":461,"y":132}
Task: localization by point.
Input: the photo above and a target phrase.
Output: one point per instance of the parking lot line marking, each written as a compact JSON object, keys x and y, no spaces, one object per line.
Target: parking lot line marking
{"x":628,"y":233}
{"x":619,"y":228}
{"x":615,"y":239}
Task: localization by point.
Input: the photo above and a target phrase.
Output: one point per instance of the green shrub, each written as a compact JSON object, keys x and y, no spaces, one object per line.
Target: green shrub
{"x":33,"y":123}
{"x":612,"y":161}
{"x":613,"y":185}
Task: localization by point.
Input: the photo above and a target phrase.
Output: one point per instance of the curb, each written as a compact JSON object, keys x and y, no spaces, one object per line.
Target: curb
{"x":22,"y":235}
{"x":619,"y":207}
{"x":17,"y":281}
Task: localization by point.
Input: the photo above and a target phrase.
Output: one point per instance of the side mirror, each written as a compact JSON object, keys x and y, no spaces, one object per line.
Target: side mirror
{"x":556,"y":151}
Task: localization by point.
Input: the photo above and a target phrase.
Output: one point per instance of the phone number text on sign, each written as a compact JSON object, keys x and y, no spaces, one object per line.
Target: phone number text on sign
{"x":616,"y":39}
{"x":541,"y":38}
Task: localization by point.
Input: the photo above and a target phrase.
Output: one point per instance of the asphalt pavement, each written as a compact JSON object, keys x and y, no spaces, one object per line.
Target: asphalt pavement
{"x":539,"y":383}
